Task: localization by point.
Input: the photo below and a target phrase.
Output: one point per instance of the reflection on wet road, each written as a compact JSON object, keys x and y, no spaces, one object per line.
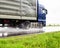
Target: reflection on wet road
{"x":5,"y":31}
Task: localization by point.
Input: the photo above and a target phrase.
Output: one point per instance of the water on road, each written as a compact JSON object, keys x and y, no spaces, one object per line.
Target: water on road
{"x":5,"y":31}
{"x":46,"y":29}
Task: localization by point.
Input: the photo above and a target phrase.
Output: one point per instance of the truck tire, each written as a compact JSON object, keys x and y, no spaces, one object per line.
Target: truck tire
{"x":27,"y":24}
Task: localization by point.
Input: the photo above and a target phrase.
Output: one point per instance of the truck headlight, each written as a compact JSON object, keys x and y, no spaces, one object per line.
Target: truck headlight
{"x":44,"y":11}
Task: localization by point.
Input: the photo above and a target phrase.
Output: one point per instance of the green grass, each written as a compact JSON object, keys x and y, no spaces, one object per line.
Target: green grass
{"x":45,"y":40}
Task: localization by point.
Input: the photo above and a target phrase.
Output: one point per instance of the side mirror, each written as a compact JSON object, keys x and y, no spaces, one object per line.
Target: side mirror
{"x":46,"y":11}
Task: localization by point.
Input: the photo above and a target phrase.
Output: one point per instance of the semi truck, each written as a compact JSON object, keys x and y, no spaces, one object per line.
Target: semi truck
{"x":22,"y":14}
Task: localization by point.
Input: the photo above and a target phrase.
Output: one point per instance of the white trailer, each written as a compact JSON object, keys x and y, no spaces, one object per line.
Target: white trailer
{"x":18,"y":9}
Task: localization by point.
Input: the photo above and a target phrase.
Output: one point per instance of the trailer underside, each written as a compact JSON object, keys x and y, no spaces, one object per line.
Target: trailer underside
{"x":20,"y":23}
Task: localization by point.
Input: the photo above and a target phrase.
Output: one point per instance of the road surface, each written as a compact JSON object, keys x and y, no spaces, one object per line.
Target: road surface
{"x":8,"y":31}
{"x":5,"y":31}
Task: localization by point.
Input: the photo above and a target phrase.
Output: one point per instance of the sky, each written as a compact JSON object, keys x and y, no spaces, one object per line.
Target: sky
{"x":53,"y":7}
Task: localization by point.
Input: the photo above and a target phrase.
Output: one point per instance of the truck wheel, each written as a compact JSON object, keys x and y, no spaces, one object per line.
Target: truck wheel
{"x":21,"y":25}
{"x":27,"y":24}
{"x":24,"y":25}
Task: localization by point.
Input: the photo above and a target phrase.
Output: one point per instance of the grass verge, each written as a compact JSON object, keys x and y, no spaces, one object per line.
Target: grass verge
{"x":45,"y":40}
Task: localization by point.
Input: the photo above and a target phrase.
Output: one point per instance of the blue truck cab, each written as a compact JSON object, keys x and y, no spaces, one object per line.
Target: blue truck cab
{"x":41,"y":14}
